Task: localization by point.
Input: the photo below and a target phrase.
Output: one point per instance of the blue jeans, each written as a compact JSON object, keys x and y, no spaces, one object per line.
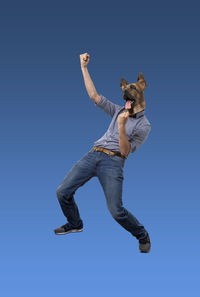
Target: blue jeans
{"x":109,"y":170}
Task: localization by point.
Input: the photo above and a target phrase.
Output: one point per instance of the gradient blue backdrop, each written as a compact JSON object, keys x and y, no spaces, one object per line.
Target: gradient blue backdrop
{"x":48,"y":122}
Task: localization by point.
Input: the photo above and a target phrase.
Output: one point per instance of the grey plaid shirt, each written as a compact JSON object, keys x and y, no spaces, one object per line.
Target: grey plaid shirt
{"x":137,"y":127}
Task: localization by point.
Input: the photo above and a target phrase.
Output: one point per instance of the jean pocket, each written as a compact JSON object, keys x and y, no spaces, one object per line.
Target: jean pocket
{"x":116,"y":158}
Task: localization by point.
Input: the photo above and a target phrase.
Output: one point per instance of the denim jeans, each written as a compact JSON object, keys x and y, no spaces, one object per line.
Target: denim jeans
{"x":109,"y":170}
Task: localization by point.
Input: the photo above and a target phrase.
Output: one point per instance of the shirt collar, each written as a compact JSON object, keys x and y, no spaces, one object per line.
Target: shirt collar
{"x":136,"y":115}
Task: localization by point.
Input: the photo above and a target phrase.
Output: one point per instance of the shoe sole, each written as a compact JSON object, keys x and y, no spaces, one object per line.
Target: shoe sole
{"x":71,"y":231}
{"x":143,"y":251}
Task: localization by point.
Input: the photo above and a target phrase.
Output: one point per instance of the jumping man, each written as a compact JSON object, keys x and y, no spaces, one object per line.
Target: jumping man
{"x":128,"y":130}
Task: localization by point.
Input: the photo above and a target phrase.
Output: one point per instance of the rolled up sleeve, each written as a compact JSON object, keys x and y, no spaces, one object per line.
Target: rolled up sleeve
{"x":138,"y":137}
{"x":107,"y":106}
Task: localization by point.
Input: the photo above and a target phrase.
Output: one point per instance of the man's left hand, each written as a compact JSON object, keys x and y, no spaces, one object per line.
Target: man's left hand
{"x":123,"y":118}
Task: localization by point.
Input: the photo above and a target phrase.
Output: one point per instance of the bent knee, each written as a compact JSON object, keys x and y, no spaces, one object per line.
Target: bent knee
{"x":113,"y":213}
{"x":63,"y":194}
{"x":59,"y":193}
{"x":117,"y":214}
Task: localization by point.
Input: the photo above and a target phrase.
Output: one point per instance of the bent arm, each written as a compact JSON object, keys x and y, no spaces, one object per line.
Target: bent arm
{"x":126,"y":146}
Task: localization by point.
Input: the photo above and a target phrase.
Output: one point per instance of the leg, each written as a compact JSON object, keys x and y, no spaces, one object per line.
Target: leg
{"x":110,"y":175}
{"x":79,"y":174}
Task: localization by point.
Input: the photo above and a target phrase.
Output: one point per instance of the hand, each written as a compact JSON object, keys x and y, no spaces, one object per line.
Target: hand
{"x":123,"y":118}
{"x":84,"y":59}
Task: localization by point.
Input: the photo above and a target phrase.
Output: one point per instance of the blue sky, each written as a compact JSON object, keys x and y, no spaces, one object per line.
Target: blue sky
{"x":48,"y":122}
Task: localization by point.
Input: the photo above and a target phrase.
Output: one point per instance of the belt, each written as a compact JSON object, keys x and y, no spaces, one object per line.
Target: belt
{"x":108,"y":152}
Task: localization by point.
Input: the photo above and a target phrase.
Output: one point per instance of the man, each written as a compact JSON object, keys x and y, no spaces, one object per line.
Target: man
{"x":128,"y":130}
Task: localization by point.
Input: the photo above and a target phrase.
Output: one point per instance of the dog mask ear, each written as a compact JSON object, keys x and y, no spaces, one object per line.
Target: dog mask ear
{"x":142,"y":81}
{"x":123,"y":82}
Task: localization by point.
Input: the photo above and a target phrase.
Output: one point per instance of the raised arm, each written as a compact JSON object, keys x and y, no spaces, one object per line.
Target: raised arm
{"x":84,"y":60}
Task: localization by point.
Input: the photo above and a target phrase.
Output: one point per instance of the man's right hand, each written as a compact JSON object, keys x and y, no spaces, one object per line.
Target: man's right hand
{"x":84,"y":59}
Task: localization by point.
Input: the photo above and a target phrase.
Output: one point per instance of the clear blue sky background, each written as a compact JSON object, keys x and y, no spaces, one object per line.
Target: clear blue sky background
{"x":48,"y":122}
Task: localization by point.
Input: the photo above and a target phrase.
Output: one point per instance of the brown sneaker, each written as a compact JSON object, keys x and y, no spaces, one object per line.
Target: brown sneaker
{"x":145,"y":244}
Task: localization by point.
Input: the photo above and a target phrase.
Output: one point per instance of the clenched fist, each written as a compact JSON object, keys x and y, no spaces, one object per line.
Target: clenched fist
{"x":123,"y":118}
{"x":84,"y":59}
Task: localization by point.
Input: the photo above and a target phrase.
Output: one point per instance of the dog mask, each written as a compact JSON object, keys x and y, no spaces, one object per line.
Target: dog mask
{"x":134,"y":94}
